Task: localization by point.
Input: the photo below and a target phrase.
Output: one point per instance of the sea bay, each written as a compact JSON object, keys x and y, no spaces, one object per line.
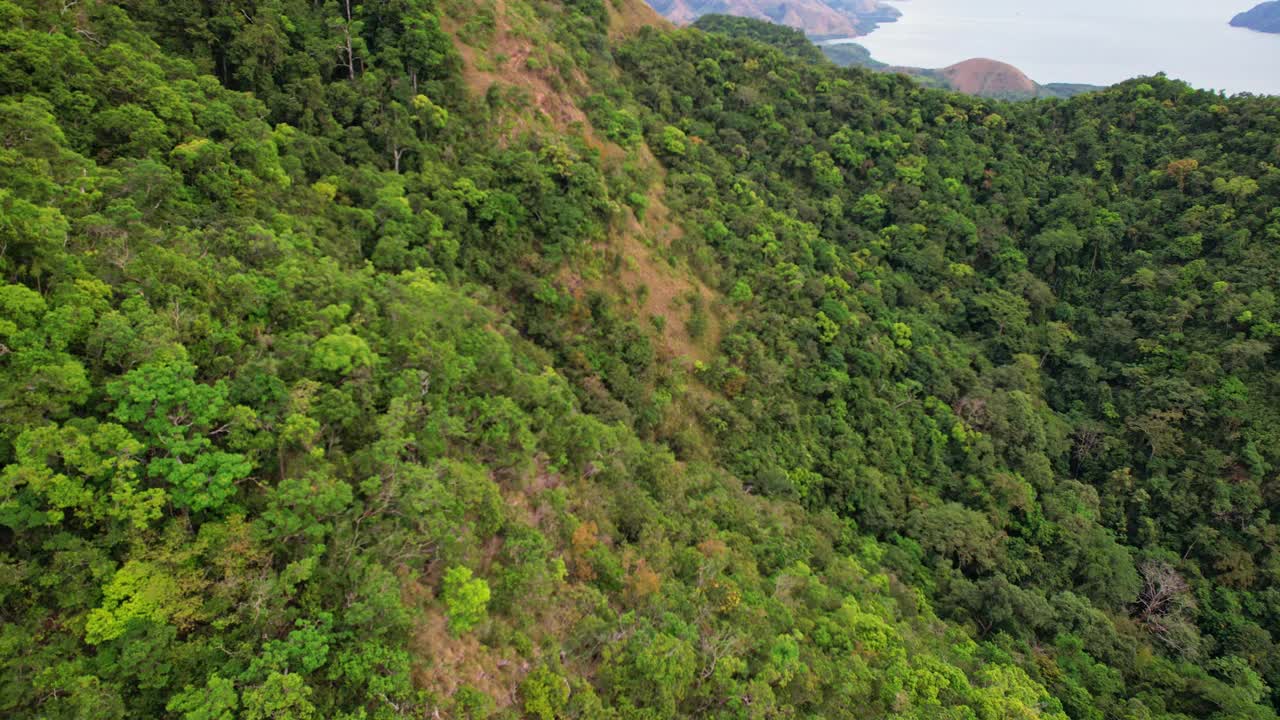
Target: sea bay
{"x":1087,"y":41}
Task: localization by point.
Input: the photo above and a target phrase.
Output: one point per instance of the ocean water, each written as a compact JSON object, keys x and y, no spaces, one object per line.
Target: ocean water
{"x":1099,"y":42}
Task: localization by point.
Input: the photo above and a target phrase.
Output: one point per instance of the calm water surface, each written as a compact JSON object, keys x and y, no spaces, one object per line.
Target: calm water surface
{"x":1087,"y":41}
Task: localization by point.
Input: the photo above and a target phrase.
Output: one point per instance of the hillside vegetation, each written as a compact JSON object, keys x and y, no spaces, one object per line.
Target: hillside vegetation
{"x":517,"y":358}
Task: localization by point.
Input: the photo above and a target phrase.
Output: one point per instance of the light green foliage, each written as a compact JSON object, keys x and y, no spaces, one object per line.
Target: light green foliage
{"x":825,"y":173}
{"x":100,"y":479}
{"x":871,"y":208}
{"x":674,"y":141}
{"x":381,"y":671}
{"x":1238,"y":188}
{"x":177,"y":416}
{"x":341,"y":352}
{"x":42,"y":380}
{"x":281,"y":697}
{"x":305,"y":649}
{"x":655,"y":669}
{"x":1008,"y":692}
{"x":434,"y":115}
{"x":137,"y":591}
{"x":544,"y":694}
{"x":911,"y":169}
{"x":217,"y":700}
{"x":828,"y":330}
{"x":466,"y":599}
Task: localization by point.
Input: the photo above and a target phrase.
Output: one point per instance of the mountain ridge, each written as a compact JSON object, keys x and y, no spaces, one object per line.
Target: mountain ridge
{"x":816,"y":18}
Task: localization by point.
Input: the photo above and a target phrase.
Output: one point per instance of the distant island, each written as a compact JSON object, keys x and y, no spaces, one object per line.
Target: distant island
{"x":1263,"y":18}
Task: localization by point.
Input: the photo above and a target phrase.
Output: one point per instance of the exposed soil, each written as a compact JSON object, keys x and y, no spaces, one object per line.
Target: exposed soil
{"x":445,"y":661}
{"x":509,"y":55}
{"x":669,"y":288}
{"x":627,"y":17}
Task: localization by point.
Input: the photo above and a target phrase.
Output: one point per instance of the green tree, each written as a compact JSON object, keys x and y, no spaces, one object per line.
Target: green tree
{"x":466,"y":599}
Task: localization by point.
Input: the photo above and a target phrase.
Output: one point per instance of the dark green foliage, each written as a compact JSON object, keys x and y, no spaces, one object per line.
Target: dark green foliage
{"x":788,"y":40}
{"x":1012,"y":340}
{"x":851,"y":55}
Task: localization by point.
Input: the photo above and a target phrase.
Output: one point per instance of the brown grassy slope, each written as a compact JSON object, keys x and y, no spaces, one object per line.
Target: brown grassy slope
{"x":641,"y":240}
{"x":445,"y":662}
{"x":509,"y":57}
{"x":649,"y":284}
{"x":980,"y":76}
{"x":628,"y":16}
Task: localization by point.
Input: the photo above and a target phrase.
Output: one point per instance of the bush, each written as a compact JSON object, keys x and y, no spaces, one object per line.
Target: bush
{"x":466,"y":598}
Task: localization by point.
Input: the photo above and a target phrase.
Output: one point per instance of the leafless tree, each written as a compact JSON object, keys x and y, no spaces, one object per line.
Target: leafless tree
{"x":1087,"y":442}
{"x":972,"y":410}
{"x":1164,"y":591}
{"x":1164,"y":606}
{"x":347,"y":48}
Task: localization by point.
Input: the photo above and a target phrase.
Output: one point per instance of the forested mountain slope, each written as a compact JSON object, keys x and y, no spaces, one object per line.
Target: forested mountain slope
{"x":510,"y":359}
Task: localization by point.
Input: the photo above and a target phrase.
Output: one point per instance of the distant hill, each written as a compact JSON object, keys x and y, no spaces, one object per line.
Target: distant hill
{"x":789,"y":40}
{"x":977,"y":76}
{"x":869,"y":12}
{"x":816,"y":18}
{"x":1264,"y":18}
{"x":847,"y":54}
{"x":984,"y":77}
{"x":980,"y":76}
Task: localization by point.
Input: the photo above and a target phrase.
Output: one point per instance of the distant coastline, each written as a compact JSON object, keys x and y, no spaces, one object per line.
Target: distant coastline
{"x":1042,"y":41}
{"x":1100,"y":42}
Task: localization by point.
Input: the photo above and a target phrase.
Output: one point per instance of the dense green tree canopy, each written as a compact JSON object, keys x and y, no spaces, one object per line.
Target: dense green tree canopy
{"x":327,"y":389}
